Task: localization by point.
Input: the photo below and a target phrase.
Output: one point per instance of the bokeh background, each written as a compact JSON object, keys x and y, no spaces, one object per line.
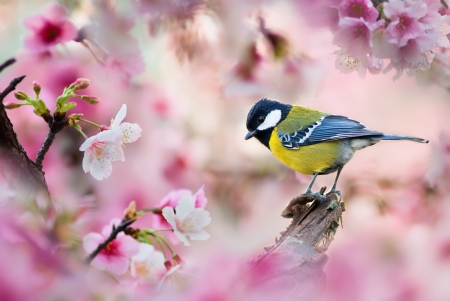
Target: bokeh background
{"x":192,"y":72}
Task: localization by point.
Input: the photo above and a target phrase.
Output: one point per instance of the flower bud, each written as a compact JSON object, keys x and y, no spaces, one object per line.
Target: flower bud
{"x":168,"y":264}
{"x":104,"y":128}
{"x":130,"y":212}
{"x":36,"y":87}
{"x":90,"y":99}
{"x":12,"y":105}
{"x":177,"y":259}
{"x":80,"y":84}
{"x":21,"y":95}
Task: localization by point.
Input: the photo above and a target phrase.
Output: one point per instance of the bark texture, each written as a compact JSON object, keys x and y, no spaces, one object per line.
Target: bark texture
{"x":21,"y":173}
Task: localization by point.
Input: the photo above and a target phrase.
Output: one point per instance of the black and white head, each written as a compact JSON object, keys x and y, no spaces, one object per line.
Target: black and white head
{"x":263,"y":117}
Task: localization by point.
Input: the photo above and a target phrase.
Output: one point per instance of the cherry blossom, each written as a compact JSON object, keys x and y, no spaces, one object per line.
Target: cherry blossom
{"x":188,"y":220}
{"x":128,"y":132}
{"x":99,"y":151}
{"x":358,"y":9}
{"x":147,"y":264}
{"x":356,"y":34}
{"x":404,"y":16}
{"x":49,"y":29}
{"x":115,"y":257}
{"x":173,"y":198}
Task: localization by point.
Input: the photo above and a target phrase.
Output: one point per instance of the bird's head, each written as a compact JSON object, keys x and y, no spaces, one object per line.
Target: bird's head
{"x":264,"y":116}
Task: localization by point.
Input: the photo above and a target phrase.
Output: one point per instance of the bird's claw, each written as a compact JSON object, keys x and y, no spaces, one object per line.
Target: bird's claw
{"x":334,"y":191}
{"x":316,"y":195}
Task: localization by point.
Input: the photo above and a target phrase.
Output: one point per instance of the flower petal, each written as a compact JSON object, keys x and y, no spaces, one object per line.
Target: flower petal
{"x":87,"y":160}
{"x":100,"y":168}
{"x":91,"y":241}
{"x":130,"y":132}
{"x":185,"y":207}
{"x":86,"y":144}
{"x":127,"y":246}
{"x":119,"y":117}
{"x":169,"y":215}
{"x":181,"y":237}
{"x":200,"y":235}
{"x":107,"y":135}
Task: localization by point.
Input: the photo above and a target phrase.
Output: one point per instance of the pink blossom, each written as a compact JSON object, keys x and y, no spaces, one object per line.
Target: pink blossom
{"x":358,"y":9}
{"x":416,"y":54}
{"x":381,"y":46}
{"x":375,"y":65}
{"x":172,"y":199}
{"x":115,"y":257}
{"x":356,"y":35}
{"x":49,"y":29}
{"x":322,"y":13}
{"x":405,"y":16}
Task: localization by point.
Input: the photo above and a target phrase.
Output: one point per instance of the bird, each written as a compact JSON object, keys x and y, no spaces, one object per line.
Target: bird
{"x":309,"y":141}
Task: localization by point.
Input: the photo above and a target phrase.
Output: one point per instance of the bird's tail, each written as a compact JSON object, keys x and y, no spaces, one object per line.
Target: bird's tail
{"x":395,"y":137}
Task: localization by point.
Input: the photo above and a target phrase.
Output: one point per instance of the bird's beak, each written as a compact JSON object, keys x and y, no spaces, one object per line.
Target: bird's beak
{"x":250,"y":135}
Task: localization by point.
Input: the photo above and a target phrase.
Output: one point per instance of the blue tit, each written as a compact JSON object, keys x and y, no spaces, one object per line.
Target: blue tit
{"x":310,"y":141}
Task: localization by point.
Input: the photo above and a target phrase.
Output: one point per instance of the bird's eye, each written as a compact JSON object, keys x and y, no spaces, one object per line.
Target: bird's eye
{"x":261,"y":119}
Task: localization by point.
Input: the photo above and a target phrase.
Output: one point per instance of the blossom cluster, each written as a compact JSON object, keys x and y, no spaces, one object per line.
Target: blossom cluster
{"x":407,"y":34}
{"x":105,"y":147}
{"x":137,"y":252}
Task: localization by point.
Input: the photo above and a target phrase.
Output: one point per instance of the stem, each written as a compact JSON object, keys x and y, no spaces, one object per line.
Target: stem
{"x":90,"y":122}
{"x":45,"y":147}
{"x":153,"y":210}
{"x":167,"y":245}
{"x":11,"y":87}
{"x":115,"y":231}
{"x":160,"y":247}
{"x":165,"y":229}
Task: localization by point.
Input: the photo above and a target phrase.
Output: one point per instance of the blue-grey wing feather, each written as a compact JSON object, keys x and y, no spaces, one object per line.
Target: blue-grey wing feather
{"x":328,"y":128}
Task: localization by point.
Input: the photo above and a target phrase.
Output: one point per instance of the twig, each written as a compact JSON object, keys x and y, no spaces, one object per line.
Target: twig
{"x":56,"y":124}
{"x":115,"y":231}
{"x":11,"y":87}
{"x":45,"y":147}
{"x":7,"y":63}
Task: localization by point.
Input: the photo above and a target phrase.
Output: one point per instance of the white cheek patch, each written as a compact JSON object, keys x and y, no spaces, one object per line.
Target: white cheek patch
{"x":272,"y":119}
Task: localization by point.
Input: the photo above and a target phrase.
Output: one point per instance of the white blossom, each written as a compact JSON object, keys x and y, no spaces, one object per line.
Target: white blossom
{"x":188,"y":220}
{"x":148,"y":264}
{"x":99,"y":151}
{"x":128,"y":132}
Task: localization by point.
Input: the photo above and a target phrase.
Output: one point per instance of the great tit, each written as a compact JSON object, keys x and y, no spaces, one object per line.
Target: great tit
{"x":310,"y":141}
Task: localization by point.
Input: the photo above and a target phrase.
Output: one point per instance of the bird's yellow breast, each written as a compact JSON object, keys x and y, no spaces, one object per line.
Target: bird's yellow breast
{"x":307,"y":159}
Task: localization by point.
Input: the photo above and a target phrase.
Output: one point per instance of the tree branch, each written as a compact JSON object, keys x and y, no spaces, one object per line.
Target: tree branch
{"x":299,"y":255}
{"x":45,"y":147}
{"x":124,"y":224}
{"x":18,"y":170}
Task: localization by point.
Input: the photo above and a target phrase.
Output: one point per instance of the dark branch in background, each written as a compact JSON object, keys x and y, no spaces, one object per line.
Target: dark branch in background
{"x":19,"y":171}
{"x":298,"y":256}
{"x":7,"y":63}
{"x":124,"y":224}
{"x":56,"y":123}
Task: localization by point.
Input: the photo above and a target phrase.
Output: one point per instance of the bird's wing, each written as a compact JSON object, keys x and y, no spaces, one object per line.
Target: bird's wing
{"x":328,"y":128}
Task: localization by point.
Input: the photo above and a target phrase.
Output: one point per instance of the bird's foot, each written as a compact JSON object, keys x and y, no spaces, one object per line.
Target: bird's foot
{"x":316,"y":195}
{"x":334,"y":191}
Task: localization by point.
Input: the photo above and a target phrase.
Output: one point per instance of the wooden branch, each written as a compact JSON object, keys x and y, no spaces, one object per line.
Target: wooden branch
{"x":21,"y":173}
{"x":298,"y":256}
